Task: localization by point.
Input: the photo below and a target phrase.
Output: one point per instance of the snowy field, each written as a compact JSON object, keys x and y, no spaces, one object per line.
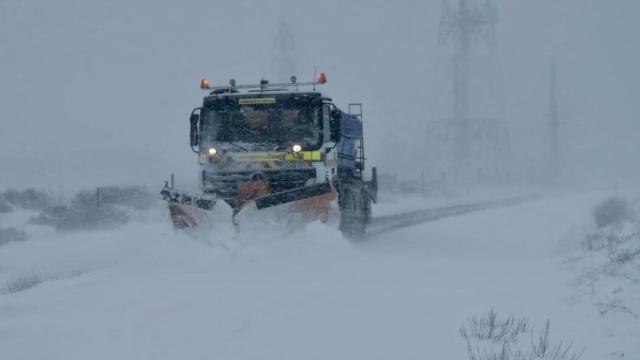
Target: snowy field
{"x":144,"y":291}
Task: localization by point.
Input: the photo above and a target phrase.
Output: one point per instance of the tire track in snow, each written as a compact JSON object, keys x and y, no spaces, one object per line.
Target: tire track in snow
{"x":384,"y":224}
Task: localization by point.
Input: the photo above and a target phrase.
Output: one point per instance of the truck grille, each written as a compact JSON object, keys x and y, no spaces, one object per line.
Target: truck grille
{"x":225,"y":184}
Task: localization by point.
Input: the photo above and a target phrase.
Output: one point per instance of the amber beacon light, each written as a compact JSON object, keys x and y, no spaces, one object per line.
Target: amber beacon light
{"x":204,"y":84}
{"x":322,"y":78}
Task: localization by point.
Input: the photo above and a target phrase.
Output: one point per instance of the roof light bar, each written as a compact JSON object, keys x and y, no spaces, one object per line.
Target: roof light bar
{"x":263,"y":84}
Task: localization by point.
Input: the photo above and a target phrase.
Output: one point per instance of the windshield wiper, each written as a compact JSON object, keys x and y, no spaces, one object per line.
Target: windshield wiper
{"x":238,"y":146}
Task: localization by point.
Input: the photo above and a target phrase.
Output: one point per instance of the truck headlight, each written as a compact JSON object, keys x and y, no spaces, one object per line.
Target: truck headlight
{"x":212,"y":151}
{"x":296,"y":148}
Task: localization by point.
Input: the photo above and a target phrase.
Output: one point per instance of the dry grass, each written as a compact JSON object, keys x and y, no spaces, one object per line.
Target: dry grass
{"x":488,"y":337}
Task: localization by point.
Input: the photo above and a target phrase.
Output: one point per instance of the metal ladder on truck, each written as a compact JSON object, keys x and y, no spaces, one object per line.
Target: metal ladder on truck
{"x":371,"y":187}
{"x":360,"y":158}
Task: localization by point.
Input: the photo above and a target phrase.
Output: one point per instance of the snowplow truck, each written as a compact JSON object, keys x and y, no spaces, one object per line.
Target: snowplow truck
{"x":268,"y":145}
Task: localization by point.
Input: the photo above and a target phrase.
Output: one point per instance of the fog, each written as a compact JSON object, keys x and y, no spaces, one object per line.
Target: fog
{"x":96,"y":93}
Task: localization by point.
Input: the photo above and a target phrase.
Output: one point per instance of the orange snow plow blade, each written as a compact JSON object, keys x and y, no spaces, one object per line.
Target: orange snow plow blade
{"x":252,"y":190}
{"x":309,"y":202}
{"x":302,"y":193}
{"x":317,"y":207}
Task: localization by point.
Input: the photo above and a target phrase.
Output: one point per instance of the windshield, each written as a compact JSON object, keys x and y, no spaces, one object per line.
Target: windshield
{"x":263,"y":123}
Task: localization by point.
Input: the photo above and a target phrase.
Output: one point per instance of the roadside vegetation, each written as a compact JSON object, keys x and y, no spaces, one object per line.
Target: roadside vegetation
{"x":607,"y":266}
{"x":88,"y":209}
{"x":491,"y":337}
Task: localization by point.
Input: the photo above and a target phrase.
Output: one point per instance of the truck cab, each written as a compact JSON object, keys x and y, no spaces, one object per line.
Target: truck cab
{"x":275,"y":144}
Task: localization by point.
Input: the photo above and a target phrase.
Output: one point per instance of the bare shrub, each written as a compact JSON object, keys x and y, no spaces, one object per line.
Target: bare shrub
{"x":490,"y":338}
{"x":614,"y":210}
{"x":489,"y":327}
{"x":11,"y":234}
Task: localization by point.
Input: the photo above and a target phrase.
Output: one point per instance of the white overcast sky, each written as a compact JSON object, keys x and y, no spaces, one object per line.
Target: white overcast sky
{"x":99,"y":92}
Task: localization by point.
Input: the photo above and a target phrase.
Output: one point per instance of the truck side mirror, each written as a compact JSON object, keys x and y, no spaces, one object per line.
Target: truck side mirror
{"x":194,"y":119}
{"x":334,"y":124}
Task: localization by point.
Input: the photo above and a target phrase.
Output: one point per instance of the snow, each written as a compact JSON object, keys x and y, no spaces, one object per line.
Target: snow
{"x":145,"y":291}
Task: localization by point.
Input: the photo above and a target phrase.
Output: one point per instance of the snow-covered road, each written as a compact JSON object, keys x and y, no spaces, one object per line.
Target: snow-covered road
{"x":146,"y":292}
{"x":387,"y":223}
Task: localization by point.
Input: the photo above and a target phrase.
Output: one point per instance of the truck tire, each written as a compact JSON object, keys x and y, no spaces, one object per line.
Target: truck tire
{"x":354,"y":212}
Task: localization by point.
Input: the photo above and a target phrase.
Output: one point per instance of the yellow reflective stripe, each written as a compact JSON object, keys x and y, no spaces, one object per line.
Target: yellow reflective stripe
{"x":293,"y":156}
{"x":258,"y":156}
{"x":257,"y":101}
{"x":312,"y":155}
{"x":304,"y":155}
{"x":289,"y":156}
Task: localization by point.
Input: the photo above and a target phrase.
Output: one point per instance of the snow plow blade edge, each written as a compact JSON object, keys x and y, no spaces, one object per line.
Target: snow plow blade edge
{"x":288,"y":196}
{"x":177,"y":197}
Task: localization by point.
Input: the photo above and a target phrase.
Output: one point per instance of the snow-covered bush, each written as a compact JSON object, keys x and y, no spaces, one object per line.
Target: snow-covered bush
{"x":91,"y":209}
{"x":609,"y":271}
{"x":614,"y":210}
{"x":4,"y":206}
{"x":79,"y":216}
{"x":135,"y":197}
{"x":611,"y":237}
{"x":28,"y":280}
{"x":23,"y":282}
{"x":618,"y":231}
{"x":489,"y":337}
{"x":625,"y":255}
{"x":11,"y":234}
{"x":29,"y":199}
